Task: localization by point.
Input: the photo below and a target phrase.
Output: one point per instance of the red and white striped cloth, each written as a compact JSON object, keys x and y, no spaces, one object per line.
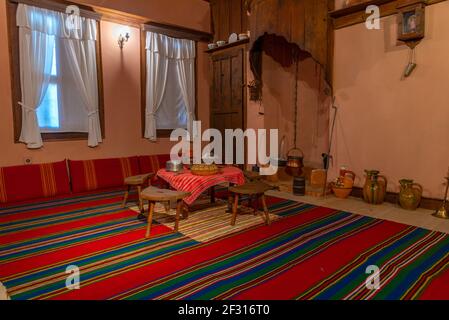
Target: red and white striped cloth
{"x":197,"y":185}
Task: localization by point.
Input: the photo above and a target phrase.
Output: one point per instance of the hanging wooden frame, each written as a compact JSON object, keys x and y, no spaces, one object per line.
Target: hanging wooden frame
{"x":411,"y":22}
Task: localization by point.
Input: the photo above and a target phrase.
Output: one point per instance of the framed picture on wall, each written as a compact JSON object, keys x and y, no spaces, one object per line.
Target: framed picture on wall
{"x":411,"y":22}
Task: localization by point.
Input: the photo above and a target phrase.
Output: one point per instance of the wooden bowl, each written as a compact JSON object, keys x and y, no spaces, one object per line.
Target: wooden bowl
{"x":342,"y":193}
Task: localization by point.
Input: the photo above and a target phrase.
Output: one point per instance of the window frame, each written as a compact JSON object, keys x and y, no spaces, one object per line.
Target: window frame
{"x":13,"y":40}
{"x":174,"y":32}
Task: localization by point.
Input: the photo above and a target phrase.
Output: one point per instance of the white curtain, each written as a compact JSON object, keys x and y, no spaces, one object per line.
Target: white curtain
{"x":186,"y":76}
{"x":56,"y":23}
{"x":160,"y":51}
{"x":83,"y":68}
{"x":39,"y":29}
{"x":157,"y":70}
{"x":36,"y":57}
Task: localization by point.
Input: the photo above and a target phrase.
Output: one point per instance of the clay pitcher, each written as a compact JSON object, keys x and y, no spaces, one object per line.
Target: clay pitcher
{"x":375,"y":187}
{"x":410,"y":194}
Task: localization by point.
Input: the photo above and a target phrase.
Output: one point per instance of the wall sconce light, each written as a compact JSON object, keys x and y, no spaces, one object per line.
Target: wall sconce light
{"x":122,"y":39}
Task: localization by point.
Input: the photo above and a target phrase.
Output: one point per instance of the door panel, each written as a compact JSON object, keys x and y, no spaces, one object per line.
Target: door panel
{"x":228,"y":96}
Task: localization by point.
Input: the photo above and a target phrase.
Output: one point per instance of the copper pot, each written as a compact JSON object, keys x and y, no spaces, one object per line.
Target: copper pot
{"x":174,"y":166}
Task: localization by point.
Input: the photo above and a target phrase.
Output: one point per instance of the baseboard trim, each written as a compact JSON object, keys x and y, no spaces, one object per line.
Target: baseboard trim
{"x":393,"y":197}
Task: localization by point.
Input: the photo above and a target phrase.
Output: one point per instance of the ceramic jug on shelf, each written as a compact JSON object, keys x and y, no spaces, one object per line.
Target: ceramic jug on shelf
{"x":410,"y":195}
{"x":375,"y":187}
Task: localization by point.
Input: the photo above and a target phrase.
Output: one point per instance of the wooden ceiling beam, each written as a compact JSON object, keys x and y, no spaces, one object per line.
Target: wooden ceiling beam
{"x":355,"y":14}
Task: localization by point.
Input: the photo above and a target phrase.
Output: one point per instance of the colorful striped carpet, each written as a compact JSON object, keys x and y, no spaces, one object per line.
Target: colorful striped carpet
{"x":211,"y":222}
{"x":309,"y":253}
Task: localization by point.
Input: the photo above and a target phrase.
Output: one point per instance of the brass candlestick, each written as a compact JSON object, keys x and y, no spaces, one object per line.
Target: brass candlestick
{"x":442,"y":213}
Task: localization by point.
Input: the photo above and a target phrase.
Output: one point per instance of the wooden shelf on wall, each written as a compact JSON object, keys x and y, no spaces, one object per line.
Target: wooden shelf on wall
{"x":357,"y":8}
{"x":228,"y":45}
{"x":355,"y":14}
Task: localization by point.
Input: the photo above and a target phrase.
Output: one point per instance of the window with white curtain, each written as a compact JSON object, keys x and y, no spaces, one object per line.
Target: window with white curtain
{"x":170,"y":87}
{"x":172,"y":113}
{"x":48,"y":112}
{"x":58,"y":75}
{"x":62,"y":109}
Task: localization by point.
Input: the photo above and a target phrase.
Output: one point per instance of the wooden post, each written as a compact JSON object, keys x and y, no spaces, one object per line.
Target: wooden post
{"x":178,"y":214}
{"x":150,"y":218}
{"x":125,"y":199}
{"x":235,"y":210}
{"x":139,"y":191}
{"x":267,"y":213}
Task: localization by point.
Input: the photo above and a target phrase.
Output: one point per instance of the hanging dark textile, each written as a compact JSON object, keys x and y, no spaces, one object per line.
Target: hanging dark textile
{"x":278,"y":48}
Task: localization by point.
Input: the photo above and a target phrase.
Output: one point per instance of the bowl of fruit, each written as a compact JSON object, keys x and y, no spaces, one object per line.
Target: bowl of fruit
{"x":204,"y":169}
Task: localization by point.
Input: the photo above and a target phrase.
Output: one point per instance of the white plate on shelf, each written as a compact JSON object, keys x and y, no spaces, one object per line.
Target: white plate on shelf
{"x":243,"y":36}
{"x":212,"y":46}
{"x":233,"y":38}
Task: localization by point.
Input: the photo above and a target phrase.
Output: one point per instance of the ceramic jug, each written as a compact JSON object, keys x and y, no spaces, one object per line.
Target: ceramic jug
{"x":410,"y":194}
{"x":375,"y":187}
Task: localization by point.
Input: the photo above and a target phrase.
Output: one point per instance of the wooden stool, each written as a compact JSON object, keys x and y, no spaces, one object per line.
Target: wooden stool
{"x":154,"y":195}
{"x":136,"y":181}
{"x":252,"y":176}
{"x":256,"y":189}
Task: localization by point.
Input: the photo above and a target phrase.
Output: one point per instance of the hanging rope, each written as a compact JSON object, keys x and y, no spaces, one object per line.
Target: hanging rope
{"x":318,"y":71}
{"x":296,"y":103}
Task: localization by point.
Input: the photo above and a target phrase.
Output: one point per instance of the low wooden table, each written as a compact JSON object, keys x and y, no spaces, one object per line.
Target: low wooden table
{"x":185,"y":181}
{"x":253,"y":176}
{"x":138,"y":182}
{"x":251,"y":189}
{"x":154,"y":195}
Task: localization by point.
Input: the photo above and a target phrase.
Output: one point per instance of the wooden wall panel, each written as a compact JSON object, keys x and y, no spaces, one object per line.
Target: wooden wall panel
{"x":298,"y":33}
{"x":303,"y":22}
{"x":228,"y":16}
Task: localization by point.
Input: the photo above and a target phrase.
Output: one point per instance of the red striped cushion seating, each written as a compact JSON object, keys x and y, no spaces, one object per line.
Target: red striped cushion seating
{"x":21,"y":183}
{"x":152,"y":164}
{"x":100,"y":174}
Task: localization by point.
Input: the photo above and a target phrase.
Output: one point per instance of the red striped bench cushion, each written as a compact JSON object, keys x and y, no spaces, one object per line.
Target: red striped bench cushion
{"x":152,"y":164}
{"x":20,"y":183}
{"x":99,"y":174}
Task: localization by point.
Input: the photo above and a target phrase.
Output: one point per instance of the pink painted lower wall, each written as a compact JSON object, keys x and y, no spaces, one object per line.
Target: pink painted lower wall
{"x":121,"y":75}
{"x":399,"y":126}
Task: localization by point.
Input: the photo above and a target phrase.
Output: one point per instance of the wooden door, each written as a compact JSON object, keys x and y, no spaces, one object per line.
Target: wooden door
{"x":228,"y":91}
